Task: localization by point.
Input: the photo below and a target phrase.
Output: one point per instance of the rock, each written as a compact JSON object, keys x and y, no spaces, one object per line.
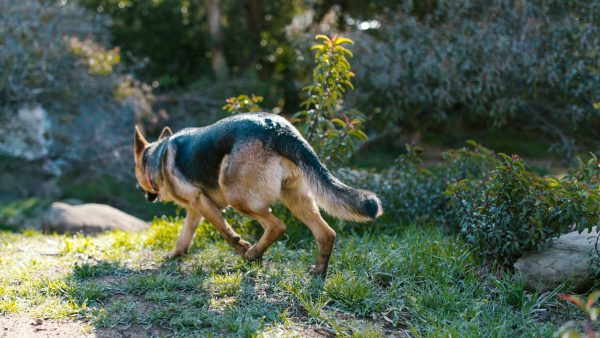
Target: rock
{"x":568,"y":259}
{"x":72,"y":201}
{"x":88,"y":218}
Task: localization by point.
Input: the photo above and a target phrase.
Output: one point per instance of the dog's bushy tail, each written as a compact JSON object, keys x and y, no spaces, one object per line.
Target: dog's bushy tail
{"x":333,"y":196}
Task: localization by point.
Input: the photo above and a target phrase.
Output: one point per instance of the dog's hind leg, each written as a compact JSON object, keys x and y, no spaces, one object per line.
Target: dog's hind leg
{"x":296,"y":197}
{"x":190,"y":224}
{"x":212,"y":214}
{"x":251,"y":181}
{"x":273,"y":229}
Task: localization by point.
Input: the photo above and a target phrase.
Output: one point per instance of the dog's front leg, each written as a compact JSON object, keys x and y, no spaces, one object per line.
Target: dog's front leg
{"x":214,"y":216}
{"x":192,"y":219}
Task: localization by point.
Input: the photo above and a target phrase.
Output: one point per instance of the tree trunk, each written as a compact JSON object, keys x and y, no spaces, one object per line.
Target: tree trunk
{"x":218,"y":61}
{"x":254,"y":18}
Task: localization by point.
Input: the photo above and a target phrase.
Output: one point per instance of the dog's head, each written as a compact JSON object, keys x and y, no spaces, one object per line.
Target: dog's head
{"x":140,"y":146}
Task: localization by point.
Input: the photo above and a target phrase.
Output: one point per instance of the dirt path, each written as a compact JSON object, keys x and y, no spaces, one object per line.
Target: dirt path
{"x":22,"y":326}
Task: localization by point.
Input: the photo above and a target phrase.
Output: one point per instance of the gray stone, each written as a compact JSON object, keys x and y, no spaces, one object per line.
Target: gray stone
{"x":88,"y":218}
{"x":568,"y":259}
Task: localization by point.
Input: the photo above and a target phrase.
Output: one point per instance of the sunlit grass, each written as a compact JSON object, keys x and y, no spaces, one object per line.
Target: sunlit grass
{"x":389,"y":281}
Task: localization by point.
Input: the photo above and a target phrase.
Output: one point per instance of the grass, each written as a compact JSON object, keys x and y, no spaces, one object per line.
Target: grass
{"x":385,"y":280}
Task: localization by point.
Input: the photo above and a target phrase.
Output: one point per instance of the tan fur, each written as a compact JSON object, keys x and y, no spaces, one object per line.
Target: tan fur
{"x":192,"y":219}
{"x":251,"y":179}
{"x":299,"y":200}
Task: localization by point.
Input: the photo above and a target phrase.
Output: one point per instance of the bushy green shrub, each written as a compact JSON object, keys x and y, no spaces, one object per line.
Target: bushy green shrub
{"x":412,"y":192}
{"x":503,"y":63}
{"x":494,"y":201}
{"x":513,"y":210}
{"x":243,"y":104}
{"x":18,"y":214}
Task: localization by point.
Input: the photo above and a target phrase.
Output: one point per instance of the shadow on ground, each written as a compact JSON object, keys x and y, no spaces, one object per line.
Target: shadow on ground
{"x":176,"y":298}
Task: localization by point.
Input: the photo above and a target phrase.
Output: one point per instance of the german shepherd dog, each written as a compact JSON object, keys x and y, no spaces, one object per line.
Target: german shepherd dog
{"x":248,"y":162}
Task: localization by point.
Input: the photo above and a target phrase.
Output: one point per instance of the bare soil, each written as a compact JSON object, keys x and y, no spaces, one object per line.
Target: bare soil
{"x":21,"y":326}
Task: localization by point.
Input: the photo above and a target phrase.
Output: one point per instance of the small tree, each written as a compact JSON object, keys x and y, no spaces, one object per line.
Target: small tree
{"x":334,"y":133}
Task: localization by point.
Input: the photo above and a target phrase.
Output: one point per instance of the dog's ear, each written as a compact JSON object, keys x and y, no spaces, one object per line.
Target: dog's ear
{"x":166,"y":132}
{"x":139,"y":142}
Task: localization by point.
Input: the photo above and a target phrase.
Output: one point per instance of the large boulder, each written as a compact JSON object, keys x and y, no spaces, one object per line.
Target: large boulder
{"x":568,"y":259}
{"x":88,"y":218}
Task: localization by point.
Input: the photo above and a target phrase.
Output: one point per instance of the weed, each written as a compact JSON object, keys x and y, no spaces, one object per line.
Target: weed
{"x":572,"y":329}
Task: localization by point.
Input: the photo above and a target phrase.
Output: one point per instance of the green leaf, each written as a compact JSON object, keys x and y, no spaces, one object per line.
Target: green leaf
{"x":344,"y":51}
{"x":341,"y":40}
{"x":358,"y":134}
{"x":339,"y":122}
{"x":322,"y":37}
{"x":332,"y":133}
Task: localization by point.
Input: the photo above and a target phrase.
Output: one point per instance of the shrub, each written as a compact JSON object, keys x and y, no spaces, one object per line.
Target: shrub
{"x":19,"y":213}
{"x":178,"y":44}
{"x":243,"y":104}
{"x":413,"y":193}
{"x":514,"y":210}
{"x":504,"y":63}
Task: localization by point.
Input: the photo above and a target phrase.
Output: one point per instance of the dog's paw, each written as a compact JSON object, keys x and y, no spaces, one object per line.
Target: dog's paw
{"x":245,"y":245}
{"x":242,"y":247}
{"x":317,"y":271}
{"x":174,"y":254}
{"x":252,"y":255}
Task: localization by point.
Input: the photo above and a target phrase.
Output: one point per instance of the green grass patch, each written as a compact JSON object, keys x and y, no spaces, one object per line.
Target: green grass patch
{"x":389,"y":279}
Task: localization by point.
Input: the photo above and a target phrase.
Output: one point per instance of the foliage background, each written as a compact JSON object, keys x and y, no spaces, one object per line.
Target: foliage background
{"x":524,"y":65}
{"x":521,"y":77}
{"x":421,"y":65}
{"x":424,"y":72}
